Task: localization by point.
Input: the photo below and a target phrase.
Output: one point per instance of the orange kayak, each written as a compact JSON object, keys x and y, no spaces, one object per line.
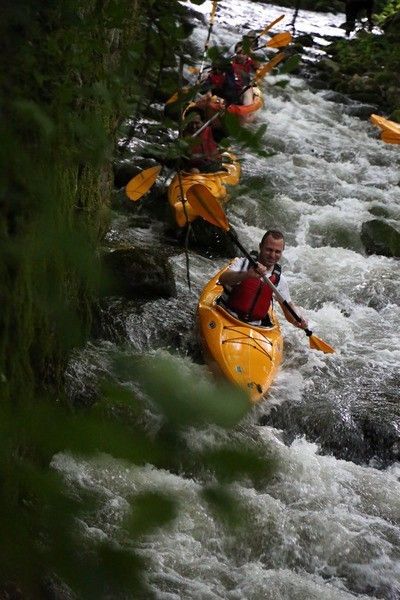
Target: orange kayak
{"x":249,"y":356}
{"x":390,"y":131}
{"x":215,"y":182}
{"x":244,"y":112}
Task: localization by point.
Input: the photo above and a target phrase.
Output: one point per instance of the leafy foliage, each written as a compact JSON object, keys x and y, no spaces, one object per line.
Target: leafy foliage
{"x":47,"y":541}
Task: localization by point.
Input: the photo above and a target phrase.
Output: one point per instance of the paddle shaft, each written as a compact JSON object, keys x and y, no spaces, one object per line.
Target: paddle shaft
{"x":210,"y":27}
{"x":267,"y":280}
{"x":269,"y":26}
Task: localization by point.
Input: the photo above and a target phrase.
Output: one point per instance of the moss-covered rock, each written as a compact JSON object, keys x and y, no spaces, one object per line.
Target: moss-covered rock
{"x":138,"y":273}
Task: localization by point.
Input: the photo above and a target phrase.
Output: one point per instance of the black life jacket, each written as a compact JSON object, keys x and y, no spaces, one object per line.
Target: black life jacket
{"x":251,"y":299}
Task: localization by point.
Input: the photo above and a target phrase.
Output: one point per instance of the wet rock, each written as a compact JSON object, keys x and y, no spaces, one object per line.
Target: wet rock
{"x":209,"y":240}
{"x":361,"y":428}
{"x":395,"y":116}
{"x":337,"y":97}
{"x":139,"y":274}
{"x":362,"y":111}
{"x":381,"y":238}
{"x":304,"y":40}
{"x":125,"y":169}
{"x":327,"y":64}
{"x":379,"y":211}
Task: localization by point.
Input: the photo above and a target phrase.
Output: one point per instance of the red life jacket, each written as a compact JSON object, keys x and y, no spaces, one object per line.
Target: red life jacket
{"x":242,"y":77}
{"x":207,"y":147}
{"x":251,"y":298}
{"x":216,"y":79}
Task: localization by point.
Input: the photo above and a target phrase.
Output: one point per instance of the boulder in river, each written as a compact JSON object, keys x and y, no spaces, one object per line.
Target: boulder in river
{"x":379,"y":237}
{"x":139,"y":274}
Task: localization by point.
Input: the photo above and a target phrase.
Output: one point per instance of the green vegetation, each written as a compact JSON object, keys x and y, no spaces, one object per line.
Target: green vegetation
{"x":368,"y":68}
{"x":74,"y":70}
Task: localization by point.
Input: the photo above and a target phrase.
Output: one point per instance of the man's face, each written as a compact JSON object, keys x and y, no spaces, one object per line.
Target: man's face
{"x":196,"y":122}
{"x":271,"y":251}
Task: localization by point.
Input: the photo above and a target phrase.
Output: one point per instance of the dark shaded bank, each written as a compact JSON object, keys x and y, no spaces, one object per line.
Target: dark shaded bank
{"x":72,"y":71}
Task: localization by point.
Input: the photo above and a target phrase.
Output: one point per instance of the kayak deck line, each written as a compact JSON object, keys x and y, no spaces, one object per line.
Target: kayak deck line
{"x":247,"y":339}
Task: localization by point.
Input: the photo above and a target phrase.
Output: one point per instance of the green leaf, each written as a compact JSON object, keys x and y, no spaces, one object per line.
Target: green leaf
{"x":149,"y":511}
{"x":186,"y":400}
{"x":291,"y":64}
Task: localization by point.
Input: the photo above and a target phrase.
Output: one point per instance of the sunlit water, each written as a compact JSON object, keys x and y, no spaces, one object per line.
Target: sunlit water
{"x":327,"y":526}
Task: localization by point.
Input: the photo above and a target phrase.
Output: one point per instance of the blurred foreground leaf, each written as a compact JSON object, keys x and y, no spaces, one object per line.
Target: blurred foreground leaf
{"x":185,"y":400}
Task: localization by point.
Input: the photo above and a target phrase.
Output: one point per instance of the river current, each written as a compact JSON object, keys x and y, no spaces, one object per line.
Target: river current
{"x":328,"y":524}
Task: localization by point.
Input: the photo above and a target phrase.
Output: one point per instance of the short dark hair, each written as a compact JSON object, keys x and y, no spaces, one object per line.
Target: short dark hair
{"x":275,"y":233}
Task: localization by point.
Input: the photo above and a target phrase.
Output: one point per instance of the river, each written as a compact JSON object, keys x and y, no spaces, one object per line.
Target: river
{"x":328,"y":523}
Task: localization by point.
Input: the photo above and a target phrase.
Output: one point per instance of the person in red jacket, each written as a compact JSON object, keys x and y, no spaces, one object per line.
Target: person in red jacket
{"x":247,"y":296}
{"x":243,"y":65}
{"x":204,"y":155}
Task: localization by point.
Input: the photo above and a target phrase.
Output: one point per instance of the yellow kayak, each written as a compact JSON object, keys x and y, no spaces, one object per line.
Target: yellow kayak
{"x":246,"y":355}
{"x":215,"y":182}
{"x":390,"y":131}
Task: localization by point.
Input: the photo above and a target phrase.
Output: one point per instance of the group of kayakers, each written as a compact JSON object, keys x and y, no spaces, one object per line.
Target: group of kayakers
{"x":228,"y":83}
{"x":246,"y":295}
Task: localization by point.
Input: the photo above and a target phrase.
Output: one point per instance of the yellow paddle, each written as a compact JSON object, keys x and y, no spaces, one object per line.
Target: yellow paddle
{"x":278,"y":41}
{"x":212,"y":17}
{"x":140,"y":184}
{"x":265,"y":69}
{"x":208,"y":207}
{"x":269,"y":26}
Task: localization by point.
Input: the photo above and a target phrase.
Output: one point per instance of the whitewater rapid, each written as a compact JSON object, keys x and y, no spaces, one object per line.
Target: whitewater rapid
{"x":328,"y":524}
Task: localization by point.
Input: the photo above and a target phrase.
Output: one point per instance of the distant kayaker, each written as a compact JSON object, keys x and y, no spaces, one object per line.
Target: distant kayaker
{"x":204,"y":155}
{"x":243,"y":66}
{"x":247,"y":296}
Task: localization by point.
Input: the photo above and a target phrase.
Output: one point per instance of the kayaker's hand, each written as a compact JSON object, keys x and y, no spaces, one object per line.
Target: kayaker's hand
{"x":259,"y":272}
{"x":303,"y":324}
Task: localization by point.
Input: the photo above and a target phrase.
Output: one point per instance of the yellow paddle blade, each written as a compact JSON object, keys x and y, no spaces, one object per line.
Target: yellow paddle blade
{"x":270,"y":25}
{"x":279,"y":40}
{"x":265,"y":69}
{"x":180,"y":94}
{"x":140,"y":184}
{"x":207,"y":206}
{"x":390,"y":129}
{"x":213,"y":10}
{"x":317,"y":344}
{"x":390,"y":138}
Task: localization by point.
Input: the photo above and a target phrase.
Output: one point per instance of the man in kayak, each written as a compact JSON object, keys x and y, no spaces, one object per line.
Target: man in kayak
{"x":203,"y":152}
{"x":248,"y":297}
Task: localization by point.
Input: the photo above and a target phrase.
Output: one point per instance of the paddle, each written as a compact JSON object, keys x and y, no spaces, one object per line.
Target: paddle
{"x":278,"y":41}
{"x":208,"y":207}
{"x":265,"y":69}
{"x":140,"y":184}
{"x":212,"y":17}
{"x":269,"y":26}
